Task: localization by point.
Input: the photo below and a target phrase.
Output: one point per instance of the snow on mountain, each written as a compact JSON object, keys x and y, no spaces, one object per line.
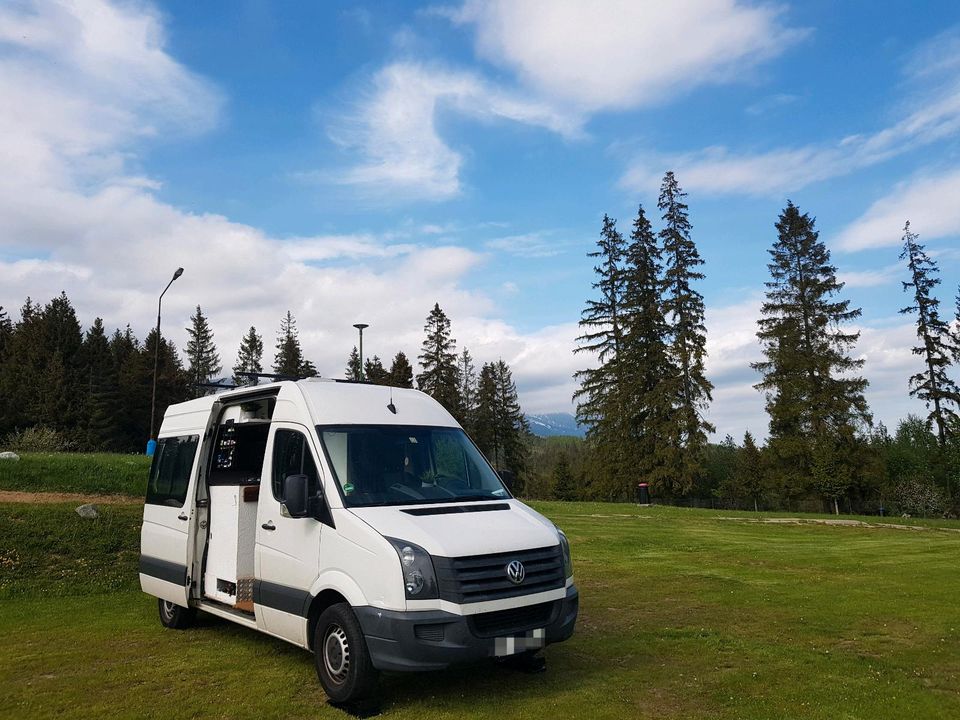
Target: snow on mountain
{"x":551,"y":424}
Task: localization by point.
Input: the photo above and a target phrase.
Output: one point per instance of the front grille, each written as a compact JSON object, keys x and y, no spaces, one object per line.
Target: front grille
{"x":513,"y":620}
{"x":484,"y":577}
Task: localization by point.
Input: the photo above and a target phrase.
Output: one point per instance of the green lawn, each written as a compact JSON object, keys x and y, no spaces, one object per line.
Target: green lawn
{"x":98,"y":473}
{"x":683,"y":614}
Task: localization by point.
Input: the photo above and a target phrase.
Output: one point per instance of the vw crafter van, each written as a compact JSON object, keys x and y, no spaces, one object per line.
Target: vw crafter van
{"x":356,"y":521}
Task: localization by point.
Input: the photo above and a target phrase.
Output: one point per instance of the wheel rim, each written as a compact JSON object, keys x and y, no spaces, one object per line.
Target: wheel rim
{"x":336,"y":654}
{"x":168,"y":608}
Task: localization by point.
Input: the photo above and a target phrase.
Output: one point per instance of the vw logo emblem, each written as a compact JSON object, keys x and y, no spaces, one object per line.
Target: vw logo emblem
{"x":516,"y":572}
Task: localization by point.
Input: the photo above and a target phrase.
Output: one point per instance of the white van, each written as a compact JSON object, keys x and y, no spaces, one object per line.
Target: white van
{"x":354,"y":520}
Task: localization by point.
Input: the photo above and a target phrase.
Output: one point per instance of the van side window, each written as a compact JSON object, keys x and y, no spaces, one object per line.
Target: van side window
{"x":170,"y":471}
{"x":292,"y":456}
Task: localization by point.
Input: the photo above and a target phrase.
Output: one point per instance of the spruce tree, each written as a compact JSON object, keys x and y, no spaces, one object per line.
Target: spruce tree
{"x":401,"y":373}
{"x":438,"y":359}
{"x":599,"y":402}
{"x":512,"y":422}
{"x":288,"y":360}
{"x":486,"y":433}
{"x":814,"y":395}
{"x":202,"y":356}
{"x":749,"y":474}
{"x":374,"y":372}
{"x":249,"y":358}
{"x":353,"y":365}
{"x":564,"y":486}
{"x":468,"y":389}
{"x":647,"y":388}
{"x":684,"y":309}
{"x":937,"y":345}
{"x":102,"y":431}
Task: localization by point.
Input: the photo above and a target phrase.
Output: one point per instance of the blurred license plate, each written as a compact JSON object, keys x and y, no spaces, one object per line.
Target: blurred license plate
{"x":533,"y":640}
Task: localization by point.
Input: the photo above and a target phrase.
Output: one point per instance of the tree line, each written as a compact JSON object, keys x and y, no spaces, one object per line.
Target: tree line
{"x":645,"y":398}
{"x":62,"y":388}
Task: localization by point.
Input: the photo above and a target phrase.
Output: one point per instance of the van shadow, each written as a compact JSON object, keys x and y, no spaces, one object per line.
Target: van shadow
{"x":567,"y":667}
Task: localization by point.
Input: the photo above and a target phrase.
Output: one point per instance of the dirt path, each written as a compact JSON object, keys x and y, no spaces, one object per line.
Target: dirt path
{"x":15,"y":496}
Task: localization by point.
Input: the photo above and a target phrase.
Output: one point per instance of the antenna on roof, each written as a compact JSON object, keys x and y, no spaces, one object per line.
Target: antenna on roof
{"x":390,"y":406}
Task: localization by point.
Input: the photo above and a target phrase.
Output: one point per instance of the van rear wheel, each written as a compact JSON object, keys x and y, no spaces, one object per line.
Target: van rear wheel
{"x":176,"y":616}
{"x":341,"y":656}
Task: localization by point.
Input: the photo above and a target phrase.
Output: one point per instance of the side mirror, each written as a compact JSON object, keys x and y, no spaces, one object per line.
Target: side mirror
{"x":509,"y":478}
{"x":295,"y":495}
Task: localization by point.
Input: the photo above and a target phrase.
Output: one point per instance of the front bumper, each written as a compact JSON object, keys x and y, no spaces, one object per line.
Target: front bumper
{"x":434,"y":639}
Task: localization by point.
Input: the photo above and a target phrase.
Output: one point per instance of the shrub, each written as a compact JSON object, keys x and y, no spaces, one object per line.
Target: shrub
{"x":919,"y":497}
{"x":37,"y":439}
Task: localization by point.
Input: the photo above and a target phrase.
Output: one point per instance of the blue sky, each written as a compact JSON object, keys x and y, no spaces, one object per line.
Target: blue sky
{"x":358,"y":162}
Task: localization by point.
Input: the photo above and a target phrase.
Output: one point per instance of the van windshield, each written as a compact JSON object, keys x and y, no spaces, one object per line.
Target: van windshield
{"x":407,"y":465}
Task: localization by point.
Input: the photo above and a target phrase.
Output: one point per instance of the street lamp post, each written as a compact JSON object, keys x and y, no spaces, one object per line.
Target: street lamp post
{"x":156,"y":363}
{"x":360,"y":327}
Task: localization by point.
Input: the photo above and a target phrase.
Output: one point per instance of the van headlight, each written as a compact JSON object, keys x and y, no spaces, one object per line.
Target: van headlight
{"x":567,"y":560}
{"x":419,"y":578}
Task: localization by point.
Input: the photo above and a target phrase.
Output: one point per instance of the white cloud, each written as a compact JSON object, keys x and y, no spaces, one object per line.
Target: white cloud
{"x":615,"y":54}
{"x":394,"y":128}
{"x":82,"y":80}
{"x":930,"y":204}
{"x":870,"y":278}
{"x":538,"y":244}
{"x":934,"y":114}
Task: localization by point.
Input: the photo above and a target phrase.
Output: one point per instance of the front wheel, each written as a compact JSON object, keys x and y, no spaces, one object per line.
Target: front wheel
{"x":176,"y":616}
{"x":341,"y":656}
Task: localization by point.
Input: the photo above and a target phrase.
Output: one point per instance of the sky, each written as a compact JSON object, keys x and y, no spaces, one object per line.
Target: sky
{"x":359,"y":162}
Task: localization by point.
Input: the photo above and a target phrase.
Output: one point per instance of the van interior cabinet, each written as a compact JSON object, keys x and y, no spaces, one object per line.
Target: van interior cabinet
{"x":234,"y":489}
{"x":229,"y":575}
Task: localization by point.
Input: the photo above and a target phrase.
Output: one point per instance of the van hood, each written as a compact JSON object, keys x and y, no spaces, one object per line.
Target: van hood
{"x":455,"y":534}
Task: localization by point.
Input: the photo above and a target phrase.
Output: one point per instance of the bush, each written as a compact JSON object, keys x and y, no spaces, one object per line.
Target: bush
{"x":37,"y":439}
{"x":918,"y":497}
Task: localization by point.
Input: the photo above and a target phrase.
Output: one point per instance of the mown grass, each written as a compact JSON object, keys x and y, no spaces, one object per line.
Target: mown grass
{"x":684,"y":614}
{"x":97,"y":473}
{"x":49,"y":550}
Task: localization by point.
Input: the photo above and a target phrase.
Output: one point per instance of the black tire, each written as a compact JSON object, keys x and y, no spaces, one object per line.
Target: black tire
{"x":342,"y":658}
{"x":176,"y":616}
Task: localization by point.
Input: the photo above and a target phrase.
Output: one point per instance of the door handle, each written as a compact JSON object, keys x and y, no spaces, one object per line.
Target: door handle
{"x":268,"y":525}
{"x":182,"y":516}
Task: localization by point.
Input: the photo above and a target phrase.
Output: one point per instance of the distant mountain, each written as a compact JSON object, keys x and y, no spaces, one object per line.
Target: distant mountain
{"x":551,"y":424}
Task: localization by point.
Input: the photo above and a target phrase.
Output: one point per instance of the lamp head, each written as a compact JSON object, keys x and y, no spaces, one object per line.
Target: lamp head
{"x":361,"y":326}
{"x":177,"y":274}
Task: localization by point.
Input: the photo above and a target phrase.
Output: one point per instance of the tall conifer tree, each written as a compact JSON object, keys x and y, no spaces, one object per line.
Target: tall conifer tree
{"x":684,"y":310}
{"x":814,"y":395}
{"x":937,"y":345}
{"x":647,"y":386}
{"x":599,"y":400}
{"x":203,"y":360}
{"x":513,"y":425}
{"x":249,"y":358}
{"x":468,"y":389}
{"x":438,"y":359}
{"x":103,"y":431}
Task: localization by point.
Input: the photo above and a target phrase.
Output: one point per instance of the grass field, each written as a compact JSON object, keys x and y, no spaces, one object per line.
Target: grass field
{"x":97,"y":473}
{"x":684,"y":613}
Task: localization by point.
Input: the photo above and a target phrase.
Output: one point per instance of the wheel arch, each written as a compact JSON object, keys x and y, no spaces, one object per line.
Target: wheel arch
{"x":320,"y":602}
